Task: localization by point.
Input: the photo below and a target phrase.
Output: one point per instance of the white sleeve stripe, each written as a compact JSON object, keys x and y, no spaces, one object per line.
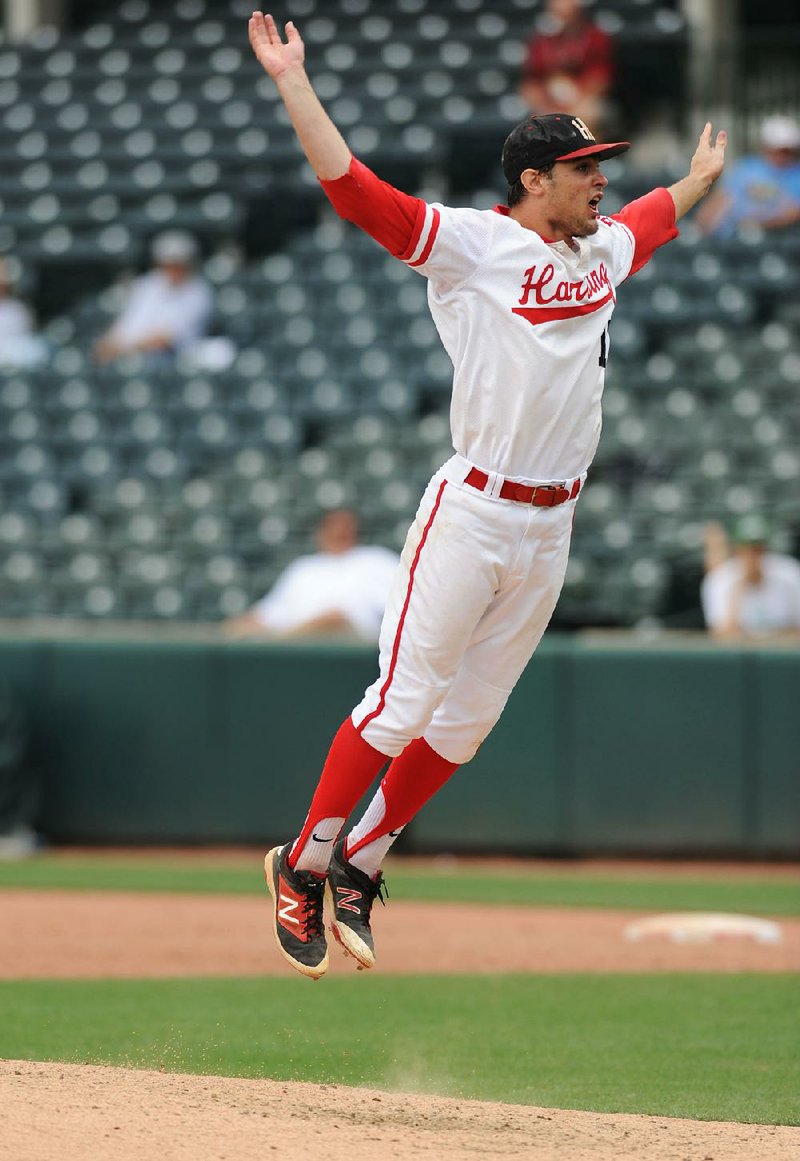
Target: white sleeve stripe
{"x":629,"y":232}
{"x":427,"y":226}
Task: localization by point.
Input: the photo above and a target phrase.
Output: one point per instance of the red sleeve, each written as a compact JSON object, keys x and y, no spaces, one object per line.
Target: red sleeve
{"x":651,"y":220}
{"x":393,"y":218}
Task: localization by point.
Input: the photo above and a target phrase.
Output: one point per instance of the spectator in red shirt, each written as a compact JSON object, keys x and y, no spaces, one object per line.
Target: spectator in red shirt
{"x":569,"y":65}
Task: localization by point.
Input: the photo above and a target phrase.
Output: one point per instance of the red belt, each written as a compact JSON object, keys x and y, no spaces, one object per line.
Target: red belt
{"x":540,"y":495}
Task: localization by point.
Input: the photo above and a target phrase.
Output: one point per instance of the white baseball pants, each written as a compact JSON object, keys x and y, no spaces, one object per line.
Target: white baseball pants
{"x":478,"y":581}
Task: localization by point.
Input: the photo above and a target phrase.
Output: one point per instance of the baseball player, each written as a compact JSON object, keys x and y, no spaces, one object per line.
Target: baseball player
{"x":521,"y":296}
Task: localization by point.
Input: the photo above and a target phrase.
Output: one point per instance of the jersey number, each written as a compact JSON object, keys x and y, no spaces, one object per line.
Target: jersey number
{"x":603,"y":350}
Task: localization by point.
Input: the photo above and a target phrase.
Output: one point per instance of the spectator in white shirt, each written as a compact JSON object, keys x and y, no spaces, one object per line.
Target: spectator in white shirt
{"x":167,"y":309}
{"x":752,"y":592}
{"x":339,"y":591}
{"x":19,"y":345}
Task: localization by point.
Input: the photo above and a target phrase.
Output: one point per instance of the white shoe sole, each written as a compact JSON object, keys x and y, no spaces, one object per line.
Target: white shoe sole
{"x":353,"y":944}
{"x":313,"y":973}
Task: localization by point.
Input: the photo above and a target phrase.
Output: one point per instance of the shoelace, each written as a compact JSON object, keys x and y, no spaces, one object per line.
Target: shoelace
{"x":372,"y":890}
{"x":379,"y":890}
{"x":313,"y":889}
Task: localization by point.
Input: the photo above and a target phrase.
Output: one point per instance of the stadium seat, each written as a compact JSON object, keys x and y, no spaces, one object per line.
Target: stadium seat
{"x":206,"y":484}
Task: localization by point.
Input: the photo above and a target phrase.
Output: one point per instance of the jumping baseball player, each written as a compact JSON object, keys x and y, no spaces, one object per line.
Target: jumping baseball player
{"x":521,"y":296}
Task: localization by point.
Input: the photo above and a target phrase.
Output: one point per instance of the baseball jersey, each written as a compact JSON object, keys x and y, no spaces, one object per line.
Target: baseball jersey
{"x":523,"y":320}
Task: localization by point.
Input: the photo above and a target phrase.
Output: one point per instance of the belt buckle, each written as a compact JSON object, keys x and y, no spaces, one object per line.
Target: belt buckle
{"x":558,"y":493}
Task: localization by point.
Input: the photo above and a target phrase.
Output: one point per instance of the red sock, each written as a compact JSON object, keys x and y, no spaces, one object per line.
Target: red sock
{"x":413,"y":777}
{"x":350,"y":767}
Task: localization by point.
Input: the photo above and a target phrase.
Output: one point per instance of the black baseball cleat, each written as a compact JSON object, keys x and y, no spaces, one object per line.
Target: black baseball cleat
{"x":351,"y":894}
{"x":299,"y":928}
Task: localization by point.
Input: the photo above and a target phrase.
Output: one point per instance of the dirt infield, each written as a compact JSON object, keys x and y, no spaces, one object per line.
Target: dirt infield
{"x":61,"y":1112}
{"x":53,"y":934}
{"x":72,"y":1112}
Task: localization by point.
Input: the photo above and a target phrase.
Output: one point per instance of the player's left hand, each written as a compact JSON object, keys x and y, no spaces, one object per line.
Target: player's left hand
{"x":709,"y":157}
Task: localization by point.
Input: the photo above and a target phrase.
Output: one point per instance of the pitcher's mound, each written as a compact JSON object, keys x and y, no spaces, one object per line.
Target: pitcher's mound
{"x":68,"y":1112}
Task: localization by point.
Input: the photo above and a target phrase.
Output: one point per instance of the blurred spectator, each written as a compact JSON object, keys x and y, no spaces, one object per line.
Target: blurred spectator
{"x":339,"y":591}
{"x":20,"y":787}
{"x":750,"y":591}
{"x":569,"y":64}
{"x":167,"y":309}
{"x":19,"y":346}
{"x":763,"y":189}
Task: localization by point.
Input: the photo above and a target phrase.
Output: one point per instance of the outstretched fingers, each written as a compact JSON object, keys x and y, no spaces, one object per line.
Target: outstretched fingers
{"x":257,"y":32}
{"x":707,"y":140}
{"x":272,"y":29}
{"x":264,"y":31}
{"x":275,"y":54}
{"x":709,"y":158}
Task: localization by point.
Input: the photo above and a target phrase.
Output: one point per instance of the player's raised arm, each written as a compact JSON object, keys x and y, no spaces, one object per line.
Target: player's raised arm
{"x":706,"y":166}
{"x":389,"y":216}
{"x":322,"y":143}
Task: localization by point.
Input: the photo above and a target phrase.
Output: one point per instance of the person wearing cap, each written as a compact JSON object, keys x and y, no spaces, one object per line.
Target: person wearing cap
{"x":166,"y":309}
{"x":762,"y":190}
{"x":749,"y":591}
{"x":522,"y":296}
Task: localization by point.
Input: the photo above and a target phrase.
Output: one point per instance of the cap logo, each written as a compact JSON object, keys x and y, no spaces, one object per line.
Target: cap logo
{"x":582,"y":128}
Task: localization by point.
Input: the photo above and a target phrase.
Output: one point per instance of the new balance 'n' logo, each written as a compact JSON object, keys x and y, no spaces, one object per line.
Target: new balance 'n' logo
{"x":347,"y":898}
{"x":287,"y":910}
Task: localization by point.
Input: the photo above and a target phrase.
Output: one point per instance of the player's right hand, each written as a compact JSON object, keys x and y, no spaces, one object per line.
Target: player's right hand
{"x":275,"y":56}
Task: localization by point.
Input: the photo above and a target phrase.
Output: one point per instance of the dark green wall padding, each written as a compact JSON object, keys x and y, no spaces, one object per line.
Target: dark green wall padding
{"x":604,"y":747}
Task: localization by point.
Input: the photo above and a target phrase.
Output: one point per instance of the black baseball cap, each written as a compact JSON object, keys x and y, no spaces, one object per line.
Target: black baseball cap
{"x":539,"y":141}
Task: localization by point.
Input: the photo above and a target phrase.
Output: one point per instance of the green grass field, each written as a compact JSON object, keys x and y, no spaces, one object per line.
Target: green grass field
{"x":707,"y":1046}
{"x":745,"y":892}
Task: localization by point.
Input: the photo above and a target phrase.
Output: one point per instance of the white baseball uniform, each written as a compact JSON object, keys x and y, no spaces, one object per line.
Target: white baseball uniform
{"x":524,"y":322}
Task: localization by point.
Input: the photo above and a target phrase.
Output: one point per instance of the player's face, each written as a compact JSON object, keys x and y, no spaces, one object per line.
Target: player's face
{"x":573,"y":196}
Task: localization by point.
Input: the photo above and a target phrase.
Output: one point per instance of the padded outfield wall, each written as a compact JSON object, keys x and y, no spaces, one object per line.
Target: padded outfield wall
{"x":606,"y":745}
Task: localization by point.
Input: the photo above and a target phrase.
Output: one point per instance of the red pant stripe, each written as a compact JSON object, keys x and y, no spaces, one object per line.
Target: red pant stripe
{"x":396,"y":647}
